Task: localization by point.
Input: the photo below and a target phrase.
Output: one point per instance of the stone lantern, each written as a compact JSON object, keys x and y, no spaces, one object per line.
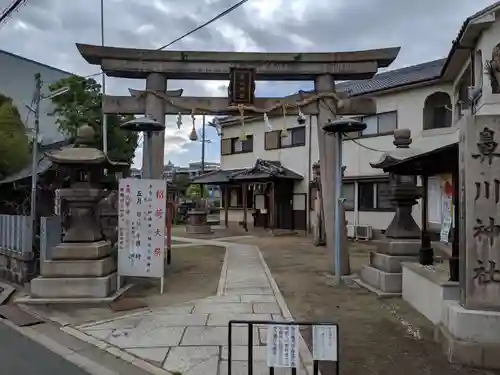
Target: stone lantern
{"x":81,"y":266}
{"x":401,"y":242}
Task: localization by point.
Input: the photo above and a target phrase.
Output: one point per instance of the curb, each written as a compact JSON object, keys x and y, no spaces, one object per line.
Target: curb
{"x":123,"y":355}
{"x":223,"y":274}
{"x":93,"y":368}
{"x":304,"y":352}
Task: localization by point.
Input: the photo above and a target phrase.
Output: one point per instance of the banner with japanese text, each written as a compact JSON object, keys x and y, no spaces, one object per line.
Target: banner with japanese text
{"x":141,"y":227}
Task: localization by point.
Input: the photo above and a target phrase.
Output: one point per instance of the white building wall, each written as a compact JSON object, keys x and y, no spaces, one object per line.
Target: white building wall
{"x":409,"y":104}
{"x":488,"y":104}
{"x":17,"y":80}
{"x":296,"y":159}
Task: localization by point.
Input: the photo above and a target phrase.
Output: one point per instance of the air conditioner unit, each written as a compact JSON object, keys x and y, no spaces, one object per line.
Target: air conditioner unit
{"x":363,"y":232}
{"x":350,"y":231}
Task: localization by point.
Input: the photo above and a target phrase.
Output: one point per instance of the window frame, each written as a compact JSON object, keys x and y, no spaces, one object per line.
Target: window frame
{"x":234,"y":140}
{"x":291,"y":132}
{"x":375,"y":191}
{"x":378,"y":133}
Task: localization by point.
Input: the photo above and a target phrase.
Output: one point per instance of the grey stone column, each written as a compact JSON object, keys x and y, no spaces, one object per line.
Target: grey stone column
{"x":327,"y":156}
{"x":155,"y":108}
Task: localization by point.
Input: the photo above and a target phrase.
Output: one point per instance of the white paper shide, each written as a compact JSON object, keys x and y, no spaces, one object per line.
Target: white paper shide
{"x":283,"y":345}
{"x":141,"y":227}
{"x":325,"y":343}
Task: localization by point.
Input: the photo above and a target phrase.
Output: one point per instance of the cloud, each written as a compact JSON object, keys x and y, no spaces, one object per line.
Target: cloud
{"x":46,"y":30}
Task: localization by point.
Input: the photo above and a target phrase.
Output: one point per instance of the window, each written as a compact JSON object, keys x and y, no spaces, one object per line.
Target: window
{"x":437,"y":111}
{"x":373,"y":196}
{"x":381,"y":123}
{"x":295,"y":137}
{"x":236,"y":146}
{"x":348,"y":194}
{"x":366,"y":197}
{"x":236,"y":197}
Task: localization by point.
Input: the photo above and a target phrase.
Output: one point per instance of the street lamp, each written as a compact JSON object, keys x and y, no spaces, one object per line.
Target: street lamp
{"x":338,"y":128}
{"x":148,"y":125}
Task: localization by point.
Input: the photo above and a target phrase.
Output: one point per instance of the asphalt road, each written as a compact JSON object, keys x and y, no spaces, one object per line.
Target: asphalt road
{"x":21,"y":356}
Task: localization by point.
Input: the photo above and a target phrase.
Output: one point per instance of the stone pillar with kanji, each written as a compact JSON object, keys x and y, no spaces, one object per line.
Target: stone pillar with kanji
{"x":470,"y":328}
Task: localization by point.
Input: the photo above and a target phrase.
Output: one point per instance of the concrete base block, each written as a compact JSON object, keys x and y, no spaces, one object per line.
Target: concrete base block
{"x":428,"y":290}
{"x":470,"y":337}
{"x":397,"y":247}
{"x":390,"y":263}
{"x":78,"y":287}
{"x":198,"y":229}
{"x":384,"y":281}
{"x":81,"y":250}
{"x":30,"y":300}
{"x":378,"y":292}
{"x":78,"y":268}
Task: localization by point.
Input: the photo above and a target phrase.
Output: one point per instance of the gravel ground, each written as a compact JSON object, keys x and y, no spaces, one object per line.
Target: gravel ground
{"x":194,"y":273}
{"x":377,"y":336}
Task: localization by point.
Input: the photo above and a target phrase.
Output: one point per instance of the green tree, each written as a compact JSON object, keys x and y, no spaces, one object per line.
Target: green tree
{"x":14,"y":143}
{"x":81,"y":105}
{"x":194,"y":191}
{"x":181,"y":183}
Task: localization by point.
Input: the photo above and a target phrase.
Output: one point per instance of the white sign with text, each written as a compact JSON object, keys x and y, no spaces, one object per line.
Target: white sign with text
{"x":141,"y":227}
{"x":325,"y":343}
{"x":283,"y":345}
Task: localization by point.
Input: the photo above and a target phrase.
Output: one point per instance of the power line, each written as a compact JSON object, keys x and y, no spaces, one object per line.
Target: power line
{"x":217,"y":17}
{"x":7,"y":12}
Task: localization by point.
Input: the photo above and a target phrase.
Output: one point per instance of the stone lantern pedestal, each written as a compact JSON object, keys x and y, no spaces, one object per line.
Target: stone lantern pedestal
{"x":81,"y":267}
{"x":401,"y":241}
{"x":197,"y":222}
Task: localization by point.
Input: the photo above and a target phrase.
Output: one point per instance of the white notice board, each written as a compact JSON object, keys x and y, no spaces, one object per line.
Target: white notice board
{"x":141,"y":227}
{"x":283,"y":345}
{"x":325,"y":343}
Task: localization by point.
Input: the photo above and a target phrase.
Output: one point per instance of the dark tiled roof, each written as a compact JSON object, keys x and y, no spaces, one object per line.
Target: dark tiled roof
{"x":265,"y":169}
{"x":394,"y":78}
{"x":220,"y":176}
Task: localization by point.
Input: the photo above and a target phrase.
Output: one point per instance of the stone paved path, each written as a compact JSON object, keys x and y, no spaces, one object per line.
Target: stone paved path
{"x":192,"y":338}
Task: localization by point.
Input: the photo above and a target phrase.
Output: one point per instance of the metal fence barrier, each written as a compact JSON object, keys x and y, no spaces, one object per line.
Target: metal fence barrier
{"x":253,"y":323}
{"x":15,"y":234}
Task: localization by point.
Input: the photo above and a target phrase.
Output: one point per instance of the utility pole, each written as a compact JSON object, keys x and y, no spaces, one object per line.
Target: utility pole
{"x":203,"y":140}
{"x":34,"y":165}
{"x":202,"y":188}
{"x":104,"y":116}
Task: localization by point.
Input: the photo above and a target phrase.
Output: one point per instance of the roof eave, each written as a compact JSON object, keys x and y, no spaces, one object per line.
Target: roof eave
{"x":467,"y":36}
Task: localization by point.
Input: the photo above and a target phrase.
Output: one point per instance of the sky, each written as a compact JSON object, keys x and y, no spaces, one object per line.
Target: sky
{"x":47,"y":30}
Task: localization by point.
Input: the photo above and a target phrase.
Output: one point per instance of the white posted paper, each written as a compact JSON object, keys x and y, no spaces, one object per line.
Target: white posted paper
{"x":283,"y":345}
{"x":141,"y":227}
{"x":325,"y":343}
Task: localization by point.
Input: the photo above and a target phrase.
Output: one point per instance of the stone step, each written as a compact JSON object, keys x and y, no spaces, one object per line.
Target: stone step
{"x":397,"y":247}
{"x":390,"y":263}
{"x":384,"y":281}
{"x":77,"y":268}
{"x":74,"y":287}
{"x":81,"y":250}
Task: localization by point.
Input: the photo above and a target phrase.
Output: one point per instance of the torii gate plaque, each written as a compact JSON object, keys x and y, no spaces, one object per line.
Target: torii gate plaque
{"x":323,"y":68}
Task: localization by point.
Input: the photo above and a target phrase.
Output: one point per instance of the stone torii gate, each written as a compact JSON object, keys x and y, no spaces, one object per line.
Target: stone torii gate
{"x":243,"y":69}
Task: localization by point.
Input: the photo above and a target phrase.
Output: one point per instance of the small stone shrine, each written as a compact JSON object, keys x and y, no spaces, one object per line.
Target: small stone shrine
{"x":197,"y":219}
{"x":81,"y":266}
{"x":401,"y":241}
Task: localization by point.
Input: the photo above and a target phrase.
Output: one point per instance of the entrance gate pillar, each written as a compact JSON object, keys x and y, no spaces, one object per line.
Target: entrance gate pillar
{"x":155,"y":108}
{"x":327,"y":146}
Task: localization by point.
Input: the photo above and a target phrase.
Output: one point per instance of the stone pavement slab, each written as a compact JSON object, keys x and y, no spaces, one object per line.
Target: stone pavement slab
{"x":222,"y":319}
{"x":195,"y":360}
{"x":192,"y":338}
